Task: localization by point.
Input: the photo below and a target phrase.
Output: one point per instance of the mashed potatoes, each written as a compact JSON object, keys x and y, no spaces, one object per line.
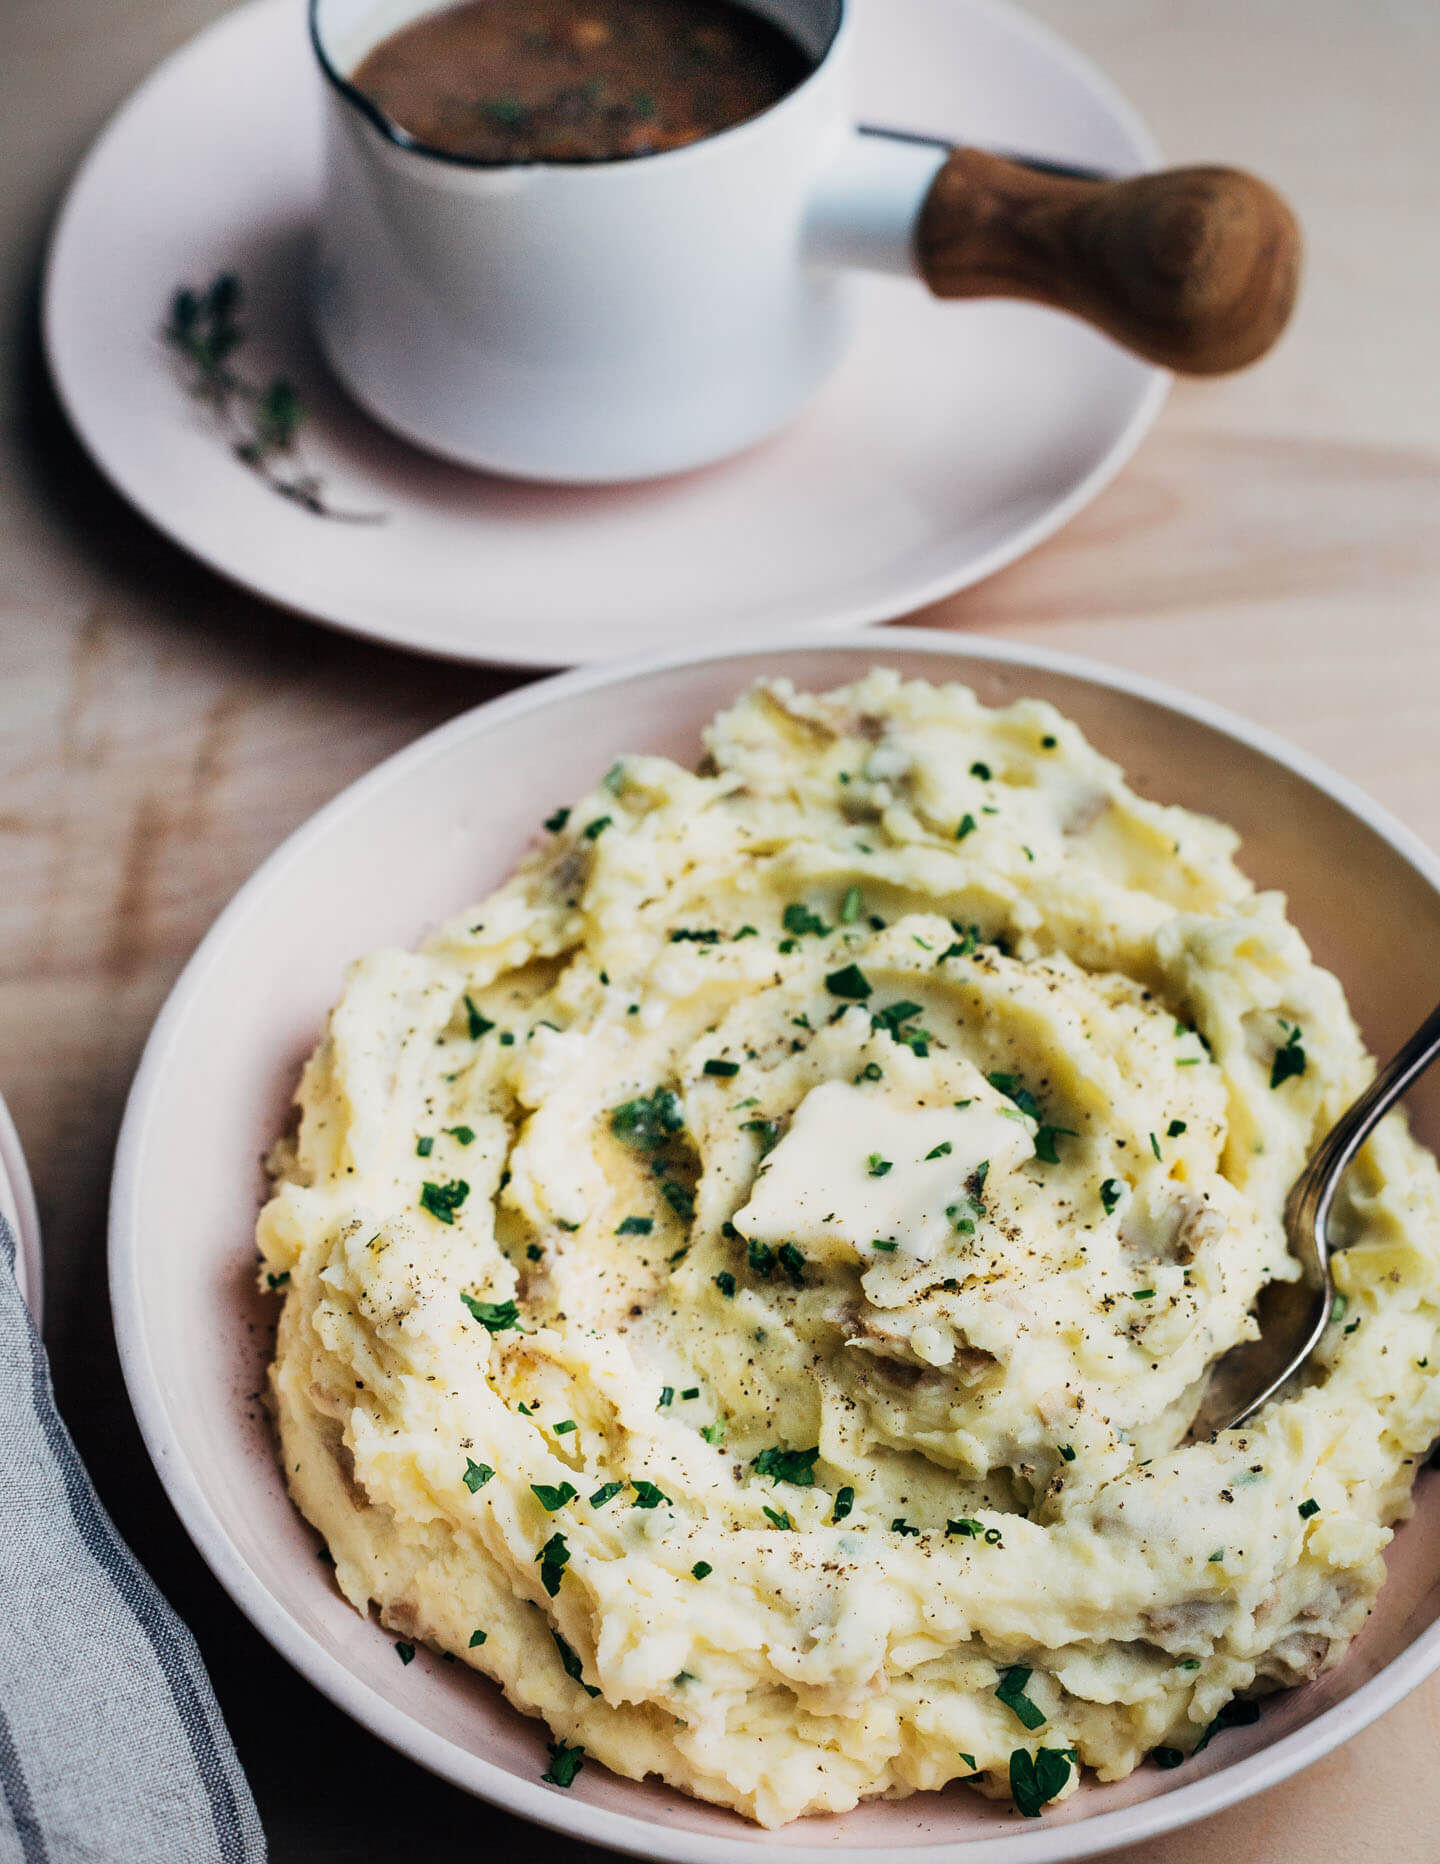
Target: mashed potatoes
{"x":747,"y":1282}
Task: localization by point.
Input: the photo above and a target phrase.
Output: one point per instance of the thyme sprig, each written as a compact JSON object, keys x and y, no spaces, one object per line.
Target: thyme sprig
{"x":262,"y":422}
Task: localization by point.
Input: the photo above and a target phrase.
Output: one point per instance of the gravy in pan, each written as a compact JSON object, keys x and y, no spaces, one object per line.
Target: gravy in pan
{"x":578,"y":80}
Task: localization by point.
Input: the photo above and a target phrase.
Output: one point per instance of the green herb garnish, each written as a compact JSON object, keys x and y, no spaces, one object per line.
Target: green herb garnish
{"x":777,"y":1517}
{"x":850,"y":983}
{"x":850,"y":906}
{"x":552,"y":1560}
{"x":1308,"y":1508}
{"x":605,"y":1493}
{"x":557,"y":821}
{"x":725,"y":1282}
{"x":877,"y":1167}
{"x":647,"y":1122}
{"x":1110,"y":1194}
{"x":636,"y":1226}
{"x":495,"y":1316}
{"x":571,"y":1663}
{"x":702,"y":1569}
{"x":648,"y":1496}
{"x":405,"y":1652}
{"x":477,"y":1638}
{"x":565,"y":1763}
{"x":1010,"y":1086}
{"x":551,"y":1499}
{"x":443,"y":1200}
{"x":1037,"y":1779}
{"x":800,"y":922}
{"x":722,"y":1070}
{"x":844,"y":1502}
{"x":476,"y":1475}
{"x":1289,"y":1062}
{"x":1011,"y":1691}
{"x":462,"y":1135}
{"x":795,"y":1466}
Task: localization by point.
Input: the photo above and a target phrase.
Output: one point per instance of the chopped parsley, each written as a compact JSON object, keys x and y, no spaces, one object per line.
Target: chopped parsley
{"x":476,"y":1475}
{"x":462,"y":1135}
{"x":648,"y":1496}
{"x":777,"y":1517}
{"x":965,"y":1530}
{"x":494,"y":1316}
{"x":443,"y":1200}
{"x":902,"y":1527}
{"x":1168,"y":1757}
{"x":1010,"y":1086}
{"x":565,"y":1763}
{"x":800,"y":922}
{"x":592,"y":831}
{"x":551,"y":1499}
{"x":1155,"y":1145}
{"x":1289,"y":1060}
{"x":1011,"y":1691}
{"x":1216,"y":1558}
{"x":552,"y":1560}
{"x":850,"y":983}
{"x":477,"y":1024}
{"x":648,"y":1121}
{"x":477,"y":1638}
{"x":1143,"y":1294}
{"x":1045,"y":1142}
{"x":850,"y":906}
{"x":877,"y":1167}
{"x":968,"y":826}
{"x":405,"y":1652}
{"x":793,"y":1263}
{"x":760,"y":1257}
{"x":571,"y":1662}
{"x":702,"y":1569}
{"x":872,"y":1071}
{"x":725,"y":1282}
{"x":636,"y":1226}
{"x":557,"y":821}
{"x":1036,"y":1779}
{"x":1235,"y":1714}
{"x":605,"y":1493}
{"x":687,"y":937}
{"x":980,"y":770}
{"x":424,"y":1146}
{"x":614,"y":778}
{"x":1174,"y":1129}
{"x":1307,"y":1508}
{"x":797,"y":1466}
{"x":1067,"y":1452}
{"x":942,"y":1151}
{"x":507,"y":1038}
{"x":667,"y":1397}
{"x":844,"y":1502}
{"x":691,"y":1391}
{"x":886,"y":1245}
{"x":722,"y":1070}
{"x":276,"y":1282}
{"x":681,"y":1201}
{"x":564,"y":1427}
{"x":1110,"y":1194}
{"x":712,"y":1433}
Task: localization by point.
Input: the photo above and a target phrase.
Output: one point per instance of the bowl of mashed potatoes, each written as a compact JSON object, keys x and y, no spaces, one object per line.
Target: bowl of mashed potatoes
{"x":761,"y":1154}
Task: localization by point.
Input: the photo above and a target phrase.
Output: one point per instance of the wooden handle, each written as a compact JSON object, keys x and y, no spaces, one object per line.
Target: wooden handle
{"x":1195,"y":268}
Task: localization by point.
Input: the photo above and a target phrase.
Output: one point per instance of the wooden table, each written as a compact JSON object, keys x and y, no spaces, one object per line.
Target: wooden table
{"x":1274,"y":547}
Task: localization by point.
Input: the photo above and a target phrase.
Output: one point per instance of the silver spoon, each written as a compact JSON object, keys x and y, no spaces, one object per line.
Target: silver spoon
{"x":1294,"y":1315}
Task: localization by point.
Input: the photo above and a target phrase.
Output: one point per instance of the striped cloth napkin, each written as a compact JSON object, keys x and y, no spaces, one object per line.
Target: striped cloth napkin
{"x":112,"y":1748}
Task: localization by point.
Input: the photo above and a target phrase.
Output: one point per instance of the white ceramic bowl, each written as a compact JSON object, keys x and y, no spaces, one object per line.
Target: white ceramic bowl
{"x":433,"y":829}
{"x":17,"y":1206}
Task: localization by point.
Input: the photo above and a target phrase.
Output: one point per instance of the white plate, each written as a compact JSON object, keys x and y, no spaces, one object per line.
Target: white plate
{"x":17,"y":1206}
{"x":955,"y":437}
{"x":221,"y":1066}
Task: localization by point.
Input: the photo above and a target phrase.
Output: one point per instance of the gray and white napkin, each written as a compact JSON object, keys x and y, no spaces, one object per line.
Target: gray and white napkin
{"x":112,"y":1746}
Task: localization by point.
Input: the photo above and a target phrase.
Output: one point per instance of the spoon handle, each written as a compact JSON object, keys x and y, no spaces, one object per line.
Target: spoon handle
{"x":1315,"y":1189}
{"x":1193,"y":268}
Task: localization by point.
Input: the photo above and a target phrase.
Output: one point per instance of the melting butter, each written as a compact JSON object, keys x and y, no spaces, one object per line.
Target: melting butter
{"x":859,"y":1166}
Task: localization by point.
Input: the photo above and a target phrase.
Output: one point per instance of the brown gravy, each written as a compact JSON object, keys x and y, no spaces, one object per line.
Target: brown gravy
{"x":578,"y":80}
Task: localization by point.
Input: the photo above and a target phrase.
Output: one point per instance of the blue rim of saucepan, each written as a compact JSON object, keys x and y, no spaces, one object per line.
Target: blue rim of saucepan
{"x":393,"y":132}
{"x":625,"y":1832}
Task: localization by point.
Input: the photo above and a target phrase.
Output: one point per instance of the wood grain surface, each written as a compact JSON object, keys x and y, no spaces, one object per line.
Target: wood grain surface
{"x":1275,"y":547}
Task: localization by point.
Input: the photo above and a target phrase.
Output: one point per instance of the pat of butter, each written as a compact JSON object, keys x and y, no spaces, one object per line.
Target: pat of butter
{"x":857,"y":1166}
